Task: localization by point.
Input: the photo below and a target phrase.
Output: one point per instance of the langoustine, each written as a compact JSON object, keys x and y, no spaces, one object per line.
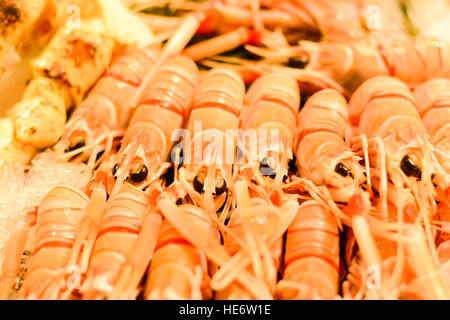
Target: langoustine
{"x":311,"y":261}
{"x":267,"y":144}
{"x":433,"y":103}
{"x":209,"y":148}
{"x":323,"y":153}
{"x":124,"y":220}
{"x":208,"y":242}
{"x":57,"y":220}
{"x":361,"y":39}
{"x":400,"y":141}
{"x":401,"y":171}
{"x":179,"y":270}
{"x":107,"y":107}
{"x":207,"y":167}
{"x":364,"y":39}
{"x":168,"y":96}
{"x":262,"y":211}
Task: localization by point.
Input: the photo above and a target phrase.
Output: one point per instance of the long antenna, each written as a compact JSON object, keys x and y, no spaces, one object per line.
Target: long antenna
{"x":174,"y":47}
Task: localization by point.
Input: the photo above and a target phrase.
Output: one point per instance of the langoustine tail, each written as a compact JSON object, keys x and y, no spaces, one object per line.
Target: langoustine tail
{"x":138,"y":258}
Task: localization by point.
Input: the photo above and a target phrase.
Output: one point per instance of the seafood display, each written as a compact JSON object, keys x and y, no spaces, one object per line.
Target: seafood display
{"x":197,"y":150}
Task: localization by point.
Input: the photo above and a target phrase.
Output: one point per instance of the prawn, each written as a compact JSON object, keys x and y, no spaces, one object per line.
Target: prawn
{"x":257,"y":188}
{"x":254,"y":235}
{"x":123,"y":223}
{"x":106,"y":108}
{"x":323,"y":155}
{"x":167,"y":97}
{"x":433,"y":104}
{"x":369,"y":44}
{"x":58,"y":218}
{"x":147,"y":141}
{"x":311,"y":261}
{"x":361,"y":39}
{"x":214,"y":117}
{"x":178,"y":269}
{"x":400,"y":141}
{"x":271,"y":142}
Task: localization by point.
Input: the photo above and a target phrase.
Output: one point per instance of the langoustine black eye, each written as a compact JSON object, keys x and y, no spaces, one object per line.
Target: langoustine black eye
{"x":343,"y":170}
{"x":198,"y":184}
{"x":222,"y":189}
{"x":410,"y":168}
{"x":266,"y":169}
{"x":298,"y":62}
{"x":139,"y":174}
{"x":81,"y":143}
{"x":292,"y":165}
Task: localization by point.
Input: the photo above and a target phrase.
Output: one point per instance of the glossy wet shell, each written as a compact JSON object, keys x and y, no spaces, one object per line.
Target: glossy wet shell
{"x":118,"y":231}
{"x":57,"y":221}
{"x":312,"y":253}
{"x":167,"y":99}
{"x":433,"y":103}
{"x":271,"y":104}
{"x":174,"y":262}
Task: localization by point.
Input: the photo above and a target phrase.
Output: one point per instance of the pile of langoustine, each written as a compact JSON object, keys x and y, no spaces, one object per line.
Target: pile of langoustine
{"x":346,"y":198}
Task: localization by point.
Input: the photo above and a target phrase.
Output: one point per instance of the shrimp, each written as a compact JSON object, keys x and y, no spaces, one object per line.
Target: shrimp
{"x":119,"y":231}
{"x":58,"y":218}
{"x":167,"y":97}
{"x":213,"y":116}
{"x":145,"y":63}
{"x":361,"y":39}
{"x":147,"y":141}
{"x":379,"y":47}
{"x":311,"y":261}
{"x":429,"y":283}
{"x":399,"y":264}
{"x":220,"y":18}
{"x":400,"y":141}
{"x":228,"y":26}
{"x":221,"y":92}
{"x":179,"y":271}
{"x":323,"y":155}
{"x":403,"y":154}
{"x":433,"y":104}
{"x":107,"y":106}
{"x":273,"y":96}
